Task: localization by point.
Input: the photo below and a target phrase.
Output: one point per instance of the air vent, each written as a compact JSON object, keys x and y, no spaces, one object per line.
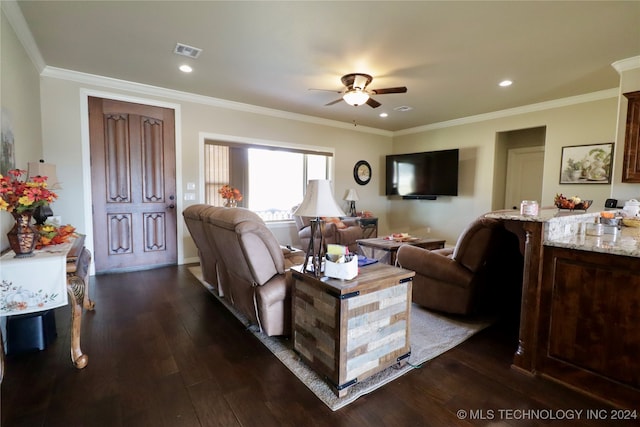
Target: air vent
{"x":403,"y":108}
{"x":189,"y":51}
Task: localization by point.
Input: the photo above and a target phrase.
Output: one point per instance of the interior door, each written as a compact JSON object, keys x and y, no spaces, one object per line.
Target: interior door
{"x":134,"y":185}
{"x":524,"y":176}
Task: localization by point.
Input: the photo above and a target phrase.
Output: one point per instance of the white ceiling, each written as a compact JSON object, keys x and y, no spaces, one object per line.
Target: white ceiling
{"x":450,"y":54}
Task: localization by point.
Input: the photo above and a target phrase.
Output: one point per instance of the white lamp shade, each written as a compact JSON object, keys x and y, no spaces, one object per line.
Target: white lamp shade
{"x":45,"y":169}
{"x":351,"y":195}
{"x":318,"y":200}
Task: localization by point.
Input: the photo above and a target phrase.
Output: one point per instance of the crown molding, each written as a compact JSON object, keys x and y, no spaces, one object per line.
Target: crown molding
{"x":16,"y":20}
{"x":148,"y":90}
{"x":627,"y":64}
{"x":547,"y":105}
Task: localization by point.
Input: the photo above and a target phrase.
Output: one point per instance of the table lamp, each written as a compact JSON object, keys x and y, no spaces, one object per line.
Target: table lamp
{"x":41,"y":168}
{"x":318,"y":202}
{"x":351,"y":196}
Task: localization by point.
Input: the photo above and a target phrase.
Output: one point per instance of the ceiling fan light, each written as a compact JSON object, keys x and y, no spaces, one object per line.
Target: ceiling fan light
{"x":355,"y":97}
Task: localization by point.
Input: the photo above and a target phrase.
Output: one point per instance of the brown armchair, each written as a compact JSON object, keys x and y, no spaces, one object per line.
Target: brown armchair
{"x":339,"y":231}
{"x":467,"y":278}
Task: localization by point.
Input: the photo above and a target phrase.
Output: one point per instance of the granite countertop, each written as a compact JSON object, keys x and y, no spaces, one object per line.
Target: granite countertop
{"x":626,"y":243}
{"x":569,"y":229}
{"x":544,"y":215}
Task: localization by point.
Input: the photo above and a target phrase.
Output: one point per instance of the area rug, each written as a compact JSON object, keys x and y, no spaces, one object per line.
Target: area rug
{"x":431,"y":335}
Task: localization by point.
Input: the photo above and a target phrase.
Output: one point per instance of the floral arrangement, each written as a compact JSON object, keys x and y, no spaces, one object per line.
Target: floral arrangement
{"x":230,"y":193}
{"x":21,"y":196}
{"x":52,"y":235}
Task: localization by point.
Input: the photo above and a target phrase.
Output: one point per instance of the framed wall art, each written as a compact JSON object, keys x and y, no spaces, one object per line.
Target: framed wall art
{"x":586,"y":164}
{"x":7,"y":144}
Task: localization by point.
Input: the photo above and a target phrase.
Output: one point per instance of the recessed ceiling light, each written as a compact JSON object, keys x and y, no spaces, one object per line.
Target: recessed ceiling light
{"x":185,"y":68}
{"x":383,"y":115}
{"x":505,"y":83}
{"x":403,"y":108}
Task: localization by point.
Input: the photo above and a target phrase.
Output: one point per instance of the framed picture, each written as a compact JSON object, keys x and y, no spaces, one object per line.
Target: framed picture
{"x":586,"y":164}
{"x":7,"y":144}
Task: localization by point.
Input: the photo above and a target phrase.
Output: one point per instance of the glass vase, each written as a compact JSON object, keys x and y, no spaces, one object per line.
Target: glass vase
{"x":23,"y":236}
{"x":231,"y":203}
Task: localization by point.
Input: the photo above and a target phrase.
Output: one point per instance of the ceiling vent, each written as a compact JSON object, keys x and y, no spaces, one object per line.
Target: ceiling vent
{"x":185,"y":50}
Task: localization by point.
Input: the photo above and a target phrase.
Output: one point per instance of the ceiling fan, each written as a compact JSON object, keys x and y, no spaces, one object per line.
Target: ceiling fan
{"x":356,"y":92}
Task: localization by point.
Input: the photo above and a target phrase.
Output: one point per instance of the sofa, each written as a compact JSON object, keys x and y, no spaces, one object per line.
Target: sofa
{"x":207,"y":252}
{"x":341,"y":231}
{"x":251,"y":266}
{"x":482,"y":274}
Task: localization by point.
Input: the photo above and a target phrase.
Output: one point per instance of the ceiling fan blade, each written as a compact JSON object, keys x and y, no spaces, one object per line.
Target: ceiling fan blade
{"x":373,"y":103}
{"x":326,"y":90}
{"x":333,"y":102}
{"x":402,"y":89}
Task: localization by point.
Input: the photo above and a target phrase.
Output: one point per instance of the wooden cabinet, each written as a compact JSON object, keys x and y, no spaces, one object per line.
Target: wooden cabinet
{"x":631,"y":164}
{"x":589,"y":323}
{"x":349,"y":330}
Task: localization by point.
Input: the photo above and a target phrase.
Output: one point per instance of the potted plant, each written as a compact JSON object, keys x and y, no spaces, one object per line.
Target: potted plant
{"x":21,"y":198}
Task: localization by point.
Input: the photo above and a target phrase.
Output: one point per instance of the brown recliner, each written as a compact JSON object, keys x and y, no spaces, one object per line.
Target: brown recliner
{"x":344,"y":234}
{"x":251,"y":264}
{"x":207,"y":252}
{"x":465,"y":279}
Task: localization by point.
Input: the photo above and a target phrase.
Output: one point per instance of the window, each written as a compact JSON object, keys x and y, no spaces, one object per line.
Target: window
{"x":272,"y":180}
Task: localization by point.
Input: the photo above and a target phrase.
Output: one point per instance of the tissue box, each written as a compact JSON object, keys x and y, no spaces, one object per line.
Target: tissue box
{"x":343,"y":270}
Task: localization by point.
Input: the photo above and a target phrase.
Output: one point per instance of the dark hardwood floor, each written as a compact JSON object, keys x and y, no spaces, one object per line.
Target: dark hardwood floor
{"x":163,"y":352}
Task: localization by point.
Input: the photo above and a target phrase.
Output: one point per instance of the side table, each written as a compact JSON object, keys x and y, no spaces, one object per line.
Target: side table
{"x":347,"y":330}
{"x":369,"y":227}
{"x":50,"y":279}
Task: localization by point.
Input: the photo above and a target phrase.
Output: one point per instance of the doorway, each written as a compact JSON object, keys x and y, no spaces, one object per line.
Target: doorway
{"x":518,"y":167}
{"x":524,"y":175}
{"x":133,"y":182}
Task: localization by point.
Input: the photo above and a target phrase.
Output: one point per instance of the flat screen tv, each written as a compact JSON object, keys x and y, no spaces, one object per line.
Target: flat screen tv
{"x":422,"y":175}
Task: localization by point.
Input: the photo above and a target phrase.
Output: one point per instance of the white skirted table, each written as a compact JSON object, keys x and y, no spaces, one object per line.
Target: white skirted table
{"x":51,"y":278}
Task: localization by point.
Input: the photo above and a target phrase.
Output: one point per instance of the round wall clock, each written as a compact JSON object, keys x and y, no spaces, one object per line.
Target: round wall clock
{"x":362,"y":172}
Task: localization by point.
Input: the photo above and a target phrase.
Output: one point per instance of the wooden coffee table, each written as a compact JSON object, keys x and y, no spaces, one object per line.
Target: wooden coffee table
{"x":347,"y":330}
{"x":386,"y":250}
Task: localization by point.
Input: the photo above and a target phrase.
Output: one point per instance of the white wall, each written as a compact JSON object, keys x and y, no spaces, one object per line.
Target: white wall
{"x":20,"y":96}
{"x":589,"y":122}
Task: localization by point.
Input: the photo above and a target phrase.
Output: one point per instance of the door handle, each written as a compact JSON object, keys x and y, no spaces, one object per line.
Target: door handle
{"x":171,"y":206}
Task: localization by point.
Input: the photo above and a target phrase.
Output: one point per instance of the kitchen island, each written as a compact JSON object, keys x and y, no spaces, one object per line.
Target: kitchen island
{"x":580,"y":309}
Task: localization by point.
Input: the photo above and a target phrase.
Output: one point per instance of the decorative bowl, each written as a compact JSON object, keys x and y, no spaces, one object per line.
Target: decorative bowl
{"x":631,"y":222}
{"x":582,"y":206}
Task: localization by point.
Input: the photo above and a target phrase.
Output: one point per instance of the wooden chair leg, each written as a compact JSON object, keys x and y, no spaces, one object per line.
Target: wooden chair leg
{"x":76,"y":290}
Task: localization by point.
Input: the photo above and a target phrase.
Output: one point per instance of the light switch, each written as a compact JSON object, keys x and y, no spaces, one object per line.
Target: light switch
{"x":191,"y":185}
{"x":189,"y":196}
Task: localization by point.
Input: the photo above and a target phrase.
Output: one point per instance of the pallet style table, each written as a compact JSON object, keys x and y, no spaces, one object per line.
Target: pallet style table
{"x":347,"y":330}
{"x":385,"y":250}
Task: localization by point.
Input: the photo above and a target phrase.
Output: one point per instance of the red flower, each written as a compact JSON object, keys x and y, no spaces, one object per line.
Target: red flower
{"x":230,"y":193}
{"x":21,"y":196}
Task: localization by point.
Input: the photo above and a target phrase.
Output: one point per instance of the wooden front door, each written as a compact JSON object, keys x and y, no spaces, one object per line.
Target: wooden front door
{"x":134,"y":185}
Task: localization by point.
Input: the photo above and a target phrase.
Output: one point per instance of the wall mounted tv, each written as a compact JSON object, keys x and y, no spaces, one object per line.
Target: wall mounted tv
{"x":422,"y":175}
